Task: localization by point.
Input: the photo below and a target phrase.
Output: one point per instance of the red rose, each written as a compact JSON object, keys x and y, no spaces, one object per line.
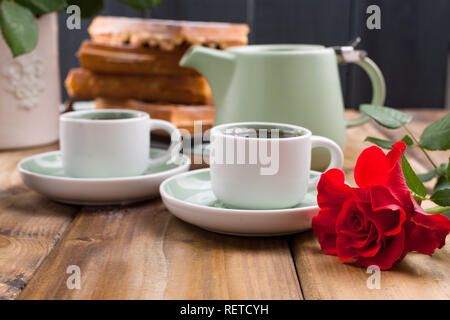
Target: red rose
{"x":379,"y":222}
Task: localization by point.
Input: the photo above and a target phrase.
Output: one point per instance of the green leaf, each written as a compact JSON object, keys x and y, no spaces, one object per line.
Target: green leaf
{"x":446,"y":213}
{"x":448,"y":170}
{"x":385,"y":116}
{"x":385,"y":144}
{"x":424,"y":177}
{"x":441,"y":197}
{"x":437,"y":209}
{"x":18,"y":27}
{"x":442,"y":183}
{"x":436,"y":172}
{"x":412,"y":180}
{"x":437,"y":135}
{"x":408,"y":140}
{"x":39,"y":7}
{"x":442,"y":169}
{"x":88,"y":8}
{"x":141,"y":4}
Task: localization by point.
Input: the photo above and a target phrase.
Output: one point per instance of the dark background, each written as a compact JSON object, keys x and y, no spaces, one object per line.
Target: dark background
{"x":411,"y":49}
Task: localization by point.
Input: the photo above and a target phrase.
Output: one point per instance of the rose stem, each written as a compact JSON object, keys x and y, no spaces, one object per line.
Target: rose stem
{"x":417,"y":143}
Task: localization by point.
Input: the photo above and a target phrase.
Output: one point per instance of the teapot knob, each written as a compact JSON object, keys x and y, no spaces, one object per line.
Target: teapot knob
{"x":348,"y":54}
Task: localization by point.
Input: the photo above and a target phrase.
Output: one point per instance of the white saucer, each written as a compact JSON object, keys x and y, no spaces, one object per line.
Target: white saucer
{"x":44,"y":174}
{"x":189,"y":197}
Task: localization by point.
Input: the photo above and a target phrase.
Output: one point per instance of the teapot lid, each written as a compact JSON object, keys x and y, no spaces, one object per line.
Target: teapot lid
{"x":268,"y":49}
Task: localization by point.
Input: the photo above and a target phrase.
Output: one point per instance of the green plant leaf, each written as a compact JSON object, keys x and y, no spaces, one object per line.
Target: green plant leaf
{"x":43,"y":6}
{"x":441,"y":170}
{"x":424,"y":177}
{"x":442,"y":183}
{"x":412,"y":180}
{"x":441,"y":197}
{"x":385,"y":116}
{"x":141,"y":4}
{"x":437,"y":135}
{"x":88,"y":8}
{"x":448,"y":170}
{"x":18,"y":27}
{"x":408,"y":140}
{"x":385,"y":144}
{"x":437,"y":209}
{"x":446,"y":213}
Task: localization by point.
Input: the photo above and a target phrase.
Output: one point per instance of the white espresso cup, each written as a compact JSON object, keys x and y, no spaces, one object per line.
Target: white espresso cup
{"x":111,"y":143}
{"x":257,"y":172}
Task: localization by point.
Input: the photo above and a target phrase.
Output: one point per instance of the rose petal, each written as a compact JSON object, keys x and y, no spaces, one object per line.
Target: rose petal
{"x":396,"y":182}
{"x":436,"y":224}
{"x":422,"y":240}
{"x":344,"y":252}
{"x":332,"y":190}
{"x":327,"y":242}
{"x":370,"y":250}
{"x":372,"y":168}
{"x":324,"y":225}
{"x":387,"y":215}
{"x":386,"y":256}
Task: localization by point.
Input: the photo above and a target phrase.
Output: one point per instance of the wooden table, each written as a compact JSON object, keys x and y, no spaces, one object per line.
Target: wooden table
{"x":143,"y":252}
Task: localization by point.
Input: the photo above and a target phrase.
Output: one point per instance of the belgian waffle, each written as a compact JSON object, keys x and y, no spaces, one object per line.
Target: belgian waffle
{"x":166,"y":34}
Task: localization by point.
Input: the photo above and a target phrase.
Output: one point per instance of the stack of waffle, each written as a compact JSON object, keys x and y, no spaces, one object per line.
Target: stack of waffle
{"x":133,"y":63}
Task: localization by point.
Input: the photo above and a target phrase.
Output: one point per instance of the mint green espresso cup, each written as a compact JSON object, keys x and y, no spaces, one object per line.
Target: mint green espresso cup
{"x":111,"y":143}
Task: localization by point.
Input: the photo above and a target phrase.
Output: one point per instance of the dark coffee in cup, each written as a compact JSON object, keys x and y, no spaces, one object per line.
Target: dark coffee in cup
{"x":263,"y":132}
{"x":105,"y":115}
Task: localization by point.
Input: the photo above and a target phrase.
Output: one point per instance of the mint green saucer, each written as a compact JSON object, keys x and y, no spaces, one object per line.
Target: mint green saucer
{"x":44,"y":173}
{"x":189,"y":196}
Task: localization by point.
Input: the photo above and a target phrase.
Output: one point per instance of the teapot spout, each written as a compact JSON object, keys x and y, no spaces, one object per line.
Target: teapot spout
{"x":216,"y":66}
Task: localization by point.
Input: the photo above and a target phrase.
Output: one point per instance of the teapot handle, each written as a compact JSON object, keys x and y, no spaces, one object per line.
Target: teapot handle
{"x":348,"y":54}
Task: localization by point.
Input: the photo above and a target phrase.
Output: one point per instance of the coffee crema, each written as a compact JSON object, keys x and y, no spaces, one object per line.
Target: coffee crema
{"x":105,"y":116}
{"x":263,"y":132}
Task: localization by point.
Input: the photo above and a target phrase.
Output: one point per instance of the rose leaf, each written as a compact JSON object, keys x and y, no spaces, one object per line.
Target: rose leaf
{"x":385,"y":116}
{"x":440,"y":171}
{"x":441,"y":197}
{"x":412,"y":180}
{"x":437,"y":135}
{"x":442,"y":183}
{"x":385,"y":144}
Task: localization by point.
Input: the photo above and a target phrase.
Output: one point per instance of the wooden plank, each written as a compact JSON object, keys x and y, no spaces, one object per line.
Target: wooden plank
{"x":143,"y":252}
{"x":325,"y":277}
{"x":30,"y":225}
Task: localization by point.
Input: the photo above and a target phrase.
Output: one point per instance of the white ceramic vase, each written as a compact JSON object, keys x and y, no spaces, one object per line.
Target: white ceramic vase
{"x":30,"y":91}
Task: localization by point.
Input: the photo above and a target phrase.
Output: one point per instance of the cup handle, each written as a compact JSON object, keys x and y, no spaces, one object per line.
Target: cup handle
{"x":175,"y":141}
{"x":337,"y":156}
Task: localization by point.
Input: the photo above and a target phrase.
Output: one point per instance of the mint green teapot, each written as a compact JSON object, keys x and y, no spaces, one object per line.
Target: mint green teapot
{"x":295,"y":84}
